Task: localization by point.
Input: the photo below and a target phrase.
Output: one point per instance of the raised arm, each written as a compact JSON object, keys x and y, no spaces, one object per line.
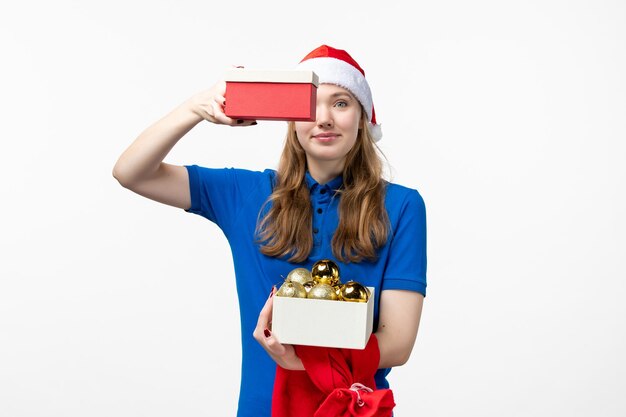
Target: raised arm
{"x":399,"y":319}
{"x":141,"y":169}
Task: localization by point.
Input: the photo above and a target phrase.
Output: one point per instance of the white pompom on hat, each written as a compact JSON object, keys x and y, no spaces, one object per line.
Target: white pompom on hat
{"x":336,"y":66}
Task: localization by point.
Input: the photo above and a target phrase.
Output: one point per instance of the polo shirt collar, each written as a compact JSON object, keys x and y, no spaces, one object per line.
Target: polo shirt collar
{"x":333,"y":184}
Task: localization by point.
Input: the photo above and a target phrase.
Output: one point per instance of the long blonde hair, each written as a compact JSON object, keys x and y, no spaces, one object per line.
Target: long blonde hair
{"x":286,"y":228}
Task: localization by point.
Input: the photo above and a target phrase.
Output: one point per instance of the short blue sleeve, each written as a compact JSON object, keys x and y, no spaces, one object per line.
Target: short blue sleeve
{"x":406,"y":262}
{"x":220,"y":194}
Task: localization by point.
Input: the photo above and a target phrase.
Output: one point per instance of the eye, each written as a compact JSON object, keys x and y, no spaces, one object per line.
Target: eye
{"x":341,"y":103}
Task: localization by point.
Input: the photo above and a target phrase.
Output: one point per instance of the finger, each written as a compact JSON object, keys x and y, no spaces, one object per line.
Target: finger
{"x":220,"y":117}
{"x":220,"y":87}
{"x":209,"y":111}
{"x":266,"y":313}
{"x":244,"y":123}
{"x":264,"y":320}
{"x":273,"y":345}
{"x":219,"y":99}
{"x":284,"y":355}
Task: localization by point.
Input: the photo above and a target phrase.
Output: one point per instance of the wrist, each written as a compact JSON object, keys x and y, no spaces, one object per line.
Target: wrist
{"x":189,"y":113}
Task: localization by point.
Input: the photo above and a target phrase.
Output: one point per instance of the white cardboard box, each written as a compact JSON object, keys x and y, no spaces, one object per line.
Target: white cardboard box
{"x":340,"y":324}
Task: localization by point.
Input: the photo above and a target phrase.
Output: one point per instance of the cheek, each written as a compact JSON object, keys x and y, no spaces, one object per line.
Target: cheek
{"x":354,"y":123}
{"x":302,"y":128}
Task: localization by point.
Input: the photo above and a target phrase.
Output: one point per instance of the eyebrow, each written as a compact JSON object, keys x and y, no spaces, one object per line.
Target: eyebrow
{"x":341,"y":94}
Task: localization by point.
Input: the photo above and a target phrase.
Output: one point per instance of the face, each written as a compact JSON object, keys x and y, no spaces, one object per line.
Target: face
{"x":330,"y":137}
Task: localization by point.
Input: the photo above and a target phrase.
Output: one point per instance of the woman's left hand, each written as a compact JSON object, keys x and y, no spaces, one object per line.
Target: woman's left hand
{"x":284,"y":355}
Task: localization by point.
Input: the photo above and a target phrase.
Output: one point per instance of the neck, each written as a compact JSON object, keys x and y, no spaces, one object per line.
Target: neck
{"x":325,"y":171}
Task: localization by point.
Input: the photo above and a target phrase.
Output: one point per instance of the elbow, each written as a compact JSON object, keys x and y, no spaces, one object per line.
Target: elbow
{"x":392,"y":356}
{"x":403,"y":358}
{"x":121,"y":176}
{"x":118,"y":176}
{"x":396,"y":354}
{"x":399,"y":358}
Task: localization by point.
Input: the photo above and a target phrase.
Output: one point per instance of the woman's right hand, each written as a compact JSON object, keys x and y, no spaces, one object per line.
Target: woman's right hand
{"x":284,"y":355}
{"x":209,"y":105}
{"x":141,"y":169}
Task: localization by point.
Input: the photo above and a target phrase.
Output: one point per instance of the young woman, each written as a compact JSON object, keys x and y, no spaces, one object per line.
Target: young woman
{"x":327,"y":200}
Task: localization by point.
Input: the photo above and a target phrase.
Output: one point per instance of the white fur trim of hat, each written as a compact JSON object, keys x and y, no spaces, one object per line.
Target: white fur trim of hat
{"x":336,"y":66}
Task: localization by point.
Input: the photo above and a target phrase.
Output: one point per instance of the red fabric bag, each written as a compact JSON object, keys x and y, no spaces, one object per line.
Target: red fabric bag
{"x":335,"y":383}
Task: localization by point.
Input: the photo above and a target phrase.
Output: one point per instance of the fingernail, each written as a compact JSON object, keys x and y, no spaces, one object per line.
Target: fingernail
{"x":267,"y":333}
{"x":239,"y":121}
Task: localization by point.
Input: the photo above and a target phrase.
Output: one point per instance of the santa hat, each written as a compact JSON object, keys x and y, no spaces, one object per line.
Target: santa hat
{"x":336,"y":66}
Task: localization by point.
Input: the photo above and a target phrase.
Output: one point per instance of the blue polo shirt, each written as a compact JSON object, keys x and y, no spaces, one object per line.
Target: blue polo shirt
{"x":232,"y":199}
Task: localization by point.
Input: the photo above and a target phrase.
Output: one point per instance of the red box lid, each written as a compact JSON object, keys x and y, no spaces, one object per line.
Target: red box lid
{"x":242,"y":75}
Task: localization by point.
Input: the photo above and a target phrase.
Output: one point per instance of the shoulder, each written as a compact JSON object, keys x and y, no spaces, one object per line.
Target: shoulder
{"x":239,"y":175}
{"x":399,"y":198}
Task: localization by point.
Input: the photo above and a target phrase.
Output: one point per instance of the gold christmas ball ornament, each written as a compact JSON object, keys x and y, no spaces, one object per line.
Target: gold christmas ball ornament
{"x":355,"y":292}
{"x":325,"y":272}
{"x":291,"y":289}
{"x":308,"y":285}
{"x":337,"y":289}
{"x":322,"y":292}
{"x":299,"y":275}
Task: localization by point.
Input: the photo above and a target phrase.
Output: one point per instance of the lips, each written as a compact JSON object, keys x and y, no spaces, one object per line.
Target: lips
{"x":326,"y":137}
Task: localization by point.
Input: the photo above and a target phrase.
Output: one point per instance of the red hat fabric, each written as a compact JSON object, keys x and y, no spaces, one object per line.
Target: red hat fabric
{"x":336,"y":66}
{"x":336,"y":383}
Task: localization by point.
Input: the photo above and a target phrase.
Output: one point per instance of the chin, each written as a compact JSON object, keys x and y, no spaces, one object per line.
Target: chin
{"x":326,"y":154}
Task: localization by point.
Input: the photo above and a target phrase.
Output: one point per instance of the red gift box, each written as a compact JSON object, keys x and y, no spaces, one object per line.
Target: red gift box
{"x":271,"y":95}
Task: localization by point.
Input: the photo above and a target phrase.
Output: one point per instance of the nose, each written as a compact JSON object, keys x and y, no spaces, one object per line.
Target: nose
{"x":323,"y":117}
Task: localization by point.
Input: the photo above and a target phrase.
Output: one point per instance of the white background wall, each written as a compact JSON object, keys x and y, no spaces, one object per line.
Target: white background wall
{"x":509,"y":117}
